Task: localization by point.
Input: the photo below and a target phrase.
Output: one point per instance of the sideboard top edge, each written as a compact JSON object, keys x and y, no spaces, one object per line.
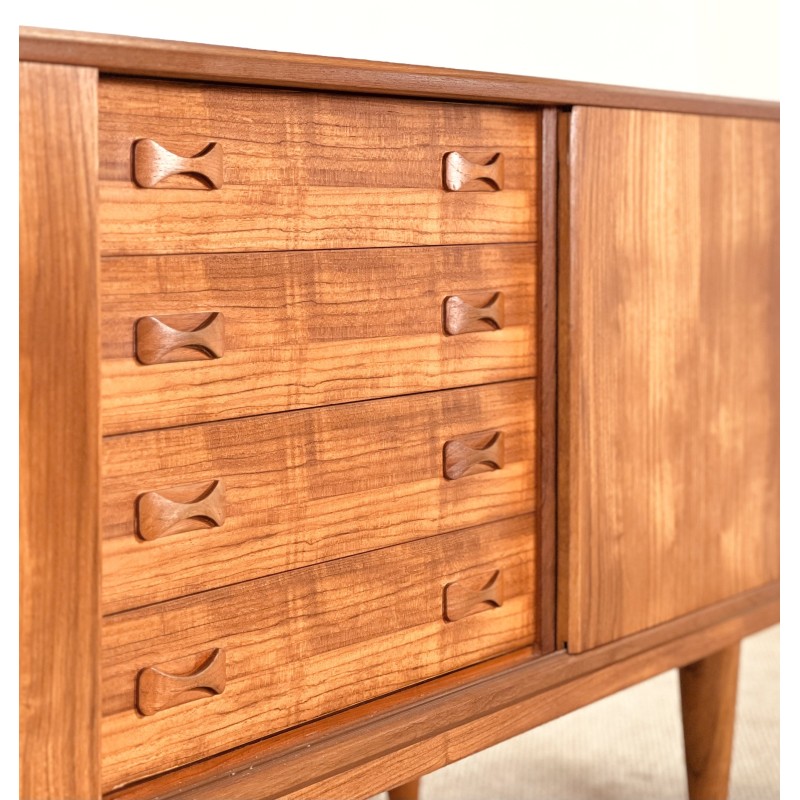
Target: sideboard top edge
{"x":128,"y":55}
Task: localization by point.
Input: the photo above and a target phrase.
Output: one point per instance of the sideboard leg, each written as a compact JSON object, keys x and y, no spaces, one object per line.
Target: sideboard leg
{"x":708,"y":702}
{"x":408,"y":791}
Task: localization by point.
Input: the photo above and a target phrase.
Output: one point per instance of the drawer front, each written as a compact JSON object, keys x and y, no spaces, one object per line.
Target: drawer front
{"x":287,"y":170}
{"x":192,"y":677}
{"x":189,"y":509}
{"x":303,"y":329}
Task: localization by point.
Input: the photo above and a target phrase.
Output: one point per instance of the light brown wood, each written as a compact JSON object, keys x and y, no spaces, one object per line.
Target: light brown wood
{"x":408,"y":791}
{"x":59,"y":430}
{"x":475,"y":174}
{"x":312,"y":328}
{"x":474,"y":313}
{"x":350,"y":754}
{"x":308,"y":642}
{"x":187,"y":337}
{"x":153,"y":164}
{"x":157,"y":690}
{"x":473,"y":454}
{"x":163,"y":59}
{"x":310,"y":486}
{"x":673,"y":329}
{"x":708,"y":704}
{"x":461,"y":599}
{"x":299,"y":174}
{"x":182,"y":508}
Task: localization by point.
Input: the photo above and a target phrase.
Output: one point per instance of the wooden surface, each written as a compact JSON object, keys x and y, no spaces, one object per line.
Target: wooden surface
{"x":312,"y":328}
{"x":164,"y":59}
{"x":708,"y":705}
{"x":426,"y":727}
{"x":308,"y":642}
{"x":310,"y":486}
{"x":308,"y":171}
{"x":673,"y":350}
{"x":547,"y":397}
{"x":59,"y":430}
{"x":408,"y":791}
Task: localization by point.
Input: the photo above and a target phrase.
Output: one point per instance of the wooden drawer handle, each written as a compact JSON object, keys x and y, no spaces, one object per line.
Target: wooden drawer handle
{"x":198,"y":336}
{"x":463,"y":175}
{"x":152,"y":163}
{"x":469,"y":455}
{"x":465,"y":315}
{"x":461,"y":600}
{"x":159,"y":514}
{"x":158,"y":690}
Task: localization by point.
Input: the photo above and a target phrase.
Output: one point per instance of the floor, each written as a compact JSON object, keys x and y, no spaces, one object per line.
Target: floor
{"x":628,"y":746}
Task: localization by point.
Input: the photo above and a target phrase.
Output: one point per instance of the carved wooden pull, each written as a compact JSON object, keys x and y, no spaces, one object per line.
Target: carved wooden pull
{"x":185,"y":508}
{"x":463,"y":175}
{"x":462,"y":601}
{"x":152,"y":163}
{"x":465,"y":315}
{"x":158,"y":690}
{"x":469,"y":455}
{"x":182,"y":337}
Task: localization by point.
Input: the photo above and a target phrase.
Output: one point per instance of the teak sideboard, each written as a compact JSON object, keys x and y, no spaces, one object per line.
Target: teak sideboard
{"x":374,"y":414}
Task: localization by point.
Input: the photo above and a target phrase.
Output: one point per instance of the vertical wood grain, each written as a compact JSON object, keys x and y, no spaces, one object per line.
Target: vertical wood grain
{"x":547,"y":319}
{"x":672,"y":332}
{"x":708,"y":705}
{"x":59,"y":435}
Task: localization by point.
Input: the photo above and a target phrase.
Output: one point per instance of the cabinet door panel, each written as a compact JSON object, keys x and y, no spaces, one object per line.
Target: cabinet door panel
{"x":669,"y":359}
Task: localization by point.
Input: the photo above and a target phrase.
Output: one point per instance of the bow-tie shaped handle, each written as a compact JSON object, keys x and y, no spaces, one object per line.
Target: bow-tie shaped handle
{"x":462,"y":174}
{"x":462,"y":600}
{"x":471,"y":314}
{"x":183,"y":337}
{"x":158,"y":690}
{"x":152,"y":163}
{"x":181,"y":509}
{"x":477,"y":452}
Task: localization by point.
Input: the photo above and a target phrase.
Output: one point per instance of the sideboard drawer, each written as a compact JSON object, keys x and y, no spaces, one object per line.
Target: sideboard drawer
{"x":189,"y":509}
{"x":195,"y":676}
{"x":269,"y":169}
{"x":309,"y":328}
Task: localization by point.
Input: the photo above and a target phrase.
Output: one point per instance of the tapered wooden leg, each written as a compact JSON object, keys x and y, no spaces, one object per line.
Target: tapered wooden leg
{"x":708,"y":702}
{"x":408,"y":791}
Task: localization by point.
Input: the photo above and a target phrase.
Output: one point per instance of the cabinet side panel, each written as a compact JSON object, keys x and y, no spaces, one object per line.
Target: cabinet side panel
{"x":59,"y":434}
{"x":673,"y":408}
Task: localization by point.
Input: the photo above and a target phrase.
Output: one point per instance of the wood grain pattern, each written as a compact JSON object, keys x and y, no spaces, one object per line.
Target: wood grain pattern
{"x":474,"y":174}
{"x":547,"y":384}
{"x":350,"y":754}
{"x":165,"y":59}
{"x":673,"y":331}
{"x":312,"y":328}
{"x":310,"y":486}
{"x":308,"y":642}
{"x":180,"y":508}
{"x":708,"y":705}
{"x":157,"y":689}
{"x":308,"y":171}
{"x":59,"y":434}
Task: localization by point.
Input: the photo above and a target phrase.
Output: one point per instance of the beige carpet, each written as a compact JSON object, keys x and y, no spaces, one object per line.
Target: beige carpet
{"x":628,"y":746}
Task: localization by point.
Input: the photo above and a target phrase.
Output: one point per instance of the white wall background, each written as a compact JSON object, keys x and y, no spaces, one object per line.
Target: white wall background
{"x":725,"y":47}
